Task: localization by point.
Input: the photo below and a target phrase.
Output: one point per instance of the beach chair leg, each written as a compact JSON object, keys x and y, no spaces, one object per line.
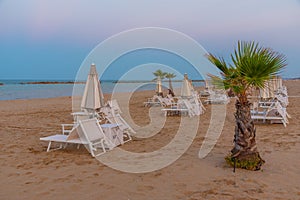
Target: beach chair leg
{"x":126,"y":136}
{"x":103,"y":149}
{"x":120,"y":140}
{"x":284,"y":124}
{"x":49,"y":146}
{"x":129,"y":137}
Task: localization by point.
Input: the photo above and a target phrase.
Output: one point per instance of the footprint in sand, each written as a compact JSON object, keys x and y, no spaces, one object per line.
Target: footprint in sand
{"x":20,"y":166}
{"x":14,"y":174}
{"x":145,"y":187}
{"x":83,"y":162}
{"x":157,"y":174}
{"x":207,"y":194}
{"x":34,"y":151}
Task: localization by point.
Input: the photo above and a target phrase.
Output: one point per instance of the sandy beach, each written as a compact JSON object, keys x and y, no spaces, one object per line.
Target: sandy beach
{"x":27,"y":171}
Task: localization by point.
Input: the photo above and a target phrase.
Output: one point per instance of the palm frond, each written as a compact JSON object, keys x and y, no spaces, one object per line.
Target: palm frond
{"x":257,"y":64}
{"x":219,"y":63}
{"x":159,"y":73}
{"x":218,"y":82}
{"x":170,"y":75}
{"x":252,"y":66}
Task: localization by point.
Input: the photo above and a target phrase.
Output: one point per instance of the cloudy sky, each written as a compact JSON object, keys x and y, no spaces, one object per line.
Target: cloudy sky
{"x":50,"y":39}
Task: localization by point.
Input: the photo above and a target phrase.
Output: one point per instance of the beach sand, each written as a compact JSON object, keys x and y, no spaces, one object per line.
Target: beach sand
{"x":27,"y":171}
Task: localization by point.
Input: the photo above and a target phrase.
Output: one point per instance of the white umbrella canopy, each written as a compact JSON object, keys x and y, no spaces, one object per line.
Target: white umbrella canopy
{"x":272,"y":87}
{"x":279,"y":82}
{"x":158,"y":86}
{"x":186,"y":89}
{"x":92,"y":97}
{"x":264,"y":92}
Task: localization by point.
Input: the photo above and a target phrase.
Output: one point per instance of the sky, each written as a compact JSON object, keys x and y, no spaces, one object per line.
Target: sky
{"x":50,"y":39}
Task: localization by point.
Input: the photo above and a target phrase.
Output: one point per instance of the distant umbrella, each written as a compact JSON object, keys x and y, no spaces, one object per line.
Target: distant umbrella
{"x":278,"y":82}
{"x":264,"y":92}
{"x":186,"y":89}
{"x":92,"y":97}
{"x":272,"y":87}
{"x":158,"y":86}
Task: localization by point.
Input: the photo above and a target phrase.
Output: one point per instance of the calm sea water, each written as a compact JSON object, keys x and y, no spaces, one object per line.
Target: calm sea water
{"x":13,"y":89}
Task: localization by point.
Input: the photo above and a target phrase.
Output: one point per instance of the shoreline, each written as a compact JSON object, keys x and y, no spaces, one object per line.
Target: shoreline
{"x":104,"y":92}
{"x":50,"y":82}
{"x":62,"y":81}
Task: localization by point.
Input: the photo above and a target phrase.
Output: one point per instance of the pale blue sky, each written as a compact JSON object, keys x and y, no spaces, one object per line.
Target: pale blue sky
{"x":50,"y":39}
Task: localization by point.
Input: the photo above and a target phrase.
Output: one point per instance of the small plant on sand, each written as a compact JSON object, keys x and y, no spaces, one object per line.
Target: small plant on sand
{"x":251,"y":66}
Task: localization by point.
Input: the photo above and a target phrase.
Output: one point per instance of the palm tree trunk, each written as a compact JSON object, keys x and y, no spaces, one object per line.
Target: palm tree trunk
{"x":170,"y":85}
{"x":244,"y":154}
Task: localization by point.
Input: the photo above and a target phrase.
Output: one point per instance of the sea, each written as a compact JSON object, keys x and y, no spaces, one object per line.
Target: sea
{"x":31,"y":89}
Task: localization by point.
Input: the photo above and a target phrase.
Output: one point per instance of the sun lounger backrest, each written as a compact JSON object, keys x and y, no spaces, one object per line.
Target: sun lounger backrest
{"x":162,"y":100}
{"x":73,"y":133}
{"x":189,"y":106}
{"x":91,"y":129}
{"x":113,"y":104}
{"x":282,"y":99}
{"x":121,"y":121}
{"x":281,"y":111}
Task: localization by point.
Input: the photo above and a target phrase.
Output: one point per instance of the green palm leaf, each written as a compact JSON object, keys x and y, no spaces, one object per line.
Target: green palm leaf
{"x":252,"y":66}
{"x":159,"y":73}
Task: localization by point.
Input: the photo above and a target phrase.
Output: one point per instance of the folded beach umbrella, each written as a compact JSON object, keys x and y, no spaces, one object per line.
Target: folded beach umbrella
{"x":272,"y":87}
{"x":264,"y":92}
{"x":187,"y":88}
{"x":279,"y":82}
{"x":207,"y":84}
{"x":92,"y":97}
{"x":158,"y":86}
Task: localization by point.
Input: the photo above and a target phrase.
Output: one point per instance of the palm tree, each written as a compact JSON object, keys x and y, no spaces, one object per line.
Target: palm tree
{"x":159,"y":73}
{"x":252,"y":66}
{"x":170,"y":76}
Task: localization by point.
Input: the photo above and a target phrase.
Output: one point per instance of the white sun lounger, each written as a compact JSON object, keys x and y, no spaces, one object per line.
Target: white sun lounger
{"x":87,"y":132}
{"x":113,"y":133}
{"x":122,"y":125}
{"x":275,"y":113}
{"x":191,"y":107}
{"x":67,"y":134}
{"x":152,"y":102}
{"x":60,"y":138}
{"x":217,"y":97}
{"x":113,"y":104}
{"x":165,"y":101}
{"x":175,"y":111}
